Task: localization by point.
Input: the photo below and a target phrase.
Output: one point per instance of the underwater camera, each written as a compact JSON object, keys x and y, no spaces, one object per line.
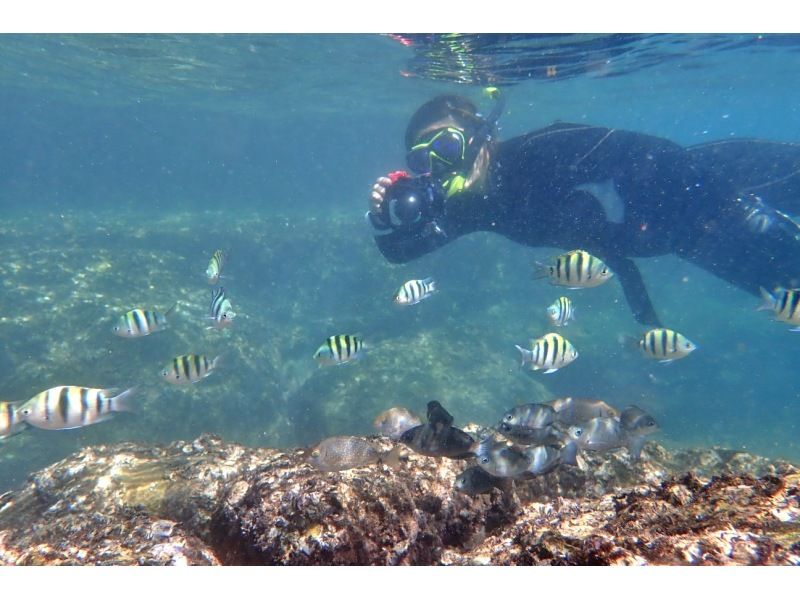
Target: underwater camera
{"x":412,"y":203}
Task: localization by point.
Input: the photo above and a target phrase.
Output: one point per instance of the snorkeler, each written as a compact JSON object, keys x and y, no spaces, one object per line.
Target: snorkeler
{"x":614,"y":193}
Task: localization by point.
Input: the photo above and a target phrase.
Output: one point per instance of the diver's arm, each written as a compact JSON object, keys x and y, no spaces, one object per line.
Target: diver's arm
{"x":635,"y":292}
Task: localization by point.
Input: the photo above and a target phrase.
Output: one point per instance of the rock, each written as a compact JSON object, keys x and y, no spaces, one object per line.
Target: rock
{"x":208,"y":502}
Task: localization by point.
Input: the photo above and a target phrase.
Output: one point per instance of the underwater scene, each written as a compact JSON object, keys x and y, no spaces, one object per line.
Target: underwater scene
{"x":205,"y":236}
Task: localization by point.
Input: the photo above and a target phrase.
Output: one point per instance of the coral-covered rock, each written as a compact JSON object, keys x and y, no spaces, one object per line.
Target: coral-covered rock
{"x":208,"y":502}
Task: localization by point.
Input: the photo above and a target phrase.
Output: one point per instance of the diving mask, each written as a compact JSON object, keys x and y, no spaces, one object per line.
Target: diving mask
{"x":447,"y":145}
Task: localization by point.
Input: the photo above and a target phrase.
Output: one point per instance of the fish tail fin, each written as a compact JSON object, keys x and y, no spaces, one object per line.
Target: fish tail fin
{"x":523,"y":355}
{"x":767,"y":300}
{"x":431,"y":284}
{"x":635,"y":447}
{"x":569,"y":454}
{"x":540,"y":270}
{"x":124,"y":400}
{"x":631,"y":343}
{"x":219,"y":360}
{"x":394,"y":458}
{"x":170,"y":311}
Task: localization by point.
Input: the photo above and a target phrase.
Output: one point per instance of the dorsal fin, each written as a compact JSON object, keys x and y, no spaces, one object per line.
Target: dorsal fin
{"x":438,"y":414}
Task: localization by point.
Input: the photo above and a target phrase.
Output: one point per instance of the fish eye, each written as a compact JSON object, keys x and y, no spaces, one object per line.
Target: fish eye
{"x":26,"y":412}
{"x":484,"y":460}
{"x":688,"y":345}
{"x":508,"y":418}
{"x":578,"y":432}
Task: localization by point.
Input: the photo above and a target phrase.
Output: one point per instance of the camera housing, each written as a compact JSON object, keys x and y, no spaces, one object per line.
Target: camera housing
{"x":410,"y":203}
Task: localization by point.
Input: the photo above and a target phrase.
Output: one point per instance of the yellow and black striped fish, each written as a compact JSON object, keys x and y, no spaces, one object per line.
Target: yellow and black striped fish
{"x":561,"y":311}
{"x":215,"y":265}
{"x":222,"y":313}
{"x":575,"y":269}
{"x":340,"y":348}
{"x":188,"y":369}
{"x":414,"y":291}
{"x":67,"y":407}
{"x":10,"y":420}
{"x":785,"y":303}
{"x":550,"y":352}
{"x":141,"y":322}
{"x":665,"y":345}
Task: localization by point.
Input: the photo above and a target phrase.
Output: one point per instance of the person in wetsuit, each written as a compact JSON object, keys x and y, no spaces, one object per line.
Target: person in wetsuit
{"x":617,"y":194}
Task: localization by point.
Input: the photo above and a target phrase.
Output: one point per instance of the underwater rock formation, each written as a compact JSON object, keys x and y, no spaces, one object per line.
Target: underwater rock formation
{"x":209,"y":502}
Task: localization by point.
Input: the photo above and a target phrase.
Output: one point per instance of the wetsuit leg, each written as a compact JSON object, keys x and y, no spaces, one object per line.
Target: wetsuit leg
{"x":743,"y":241}
{"x":635,"y":292}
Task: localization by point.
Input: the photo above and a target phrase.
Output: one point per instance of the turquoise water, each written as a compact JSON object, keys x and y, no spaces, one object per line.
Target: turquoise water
{"x":127,"y":160}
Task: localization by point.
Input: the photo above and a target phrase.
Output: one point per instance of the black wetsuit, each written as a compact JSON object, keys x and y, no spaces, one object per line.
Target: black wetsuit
{"x":620,"y":195}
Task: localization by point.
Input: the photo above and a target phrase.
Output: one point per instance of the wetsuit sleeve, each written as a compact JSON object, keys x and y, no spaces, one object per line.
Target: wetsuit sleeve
{"x":635,"y":292}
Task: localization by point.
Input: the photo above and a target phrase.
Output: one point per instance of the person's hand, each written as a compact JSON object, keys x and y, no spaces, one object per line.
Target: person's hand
{"x":380,"y":187}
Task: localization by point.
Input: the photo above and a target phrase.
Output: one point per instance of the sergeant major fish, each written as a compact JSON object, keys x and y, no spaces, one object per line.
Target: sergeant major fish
{"x":500,"y":458}
{"x":222,"y":313}
{"x":785,"y":304}
{"x":67,"y":407}
{"x":188,"y":369}
{"x":561,"y":312}
{"x":550,"y":352}
{"x":393,"y":422}
{"x":339,"y":349}
{"x":414,"y":291}
{"x":346,"y":452}
{"x":575,"y":269}
{"x":215,"y":266}
{"x":665,"y":345}
{"x":10,"y":420}
{"x":141,"y":322}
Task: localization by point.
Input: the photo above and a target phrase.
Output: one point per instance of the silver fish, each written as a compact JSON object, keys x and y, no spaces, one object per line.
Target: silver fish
{"x":561,"y":312}
{"x":222,"y":313}
{"x":606,"y":434}
{"x":571,"y":411}
{"x":414,"y":291}
{"x":532,"y":436}
{"x":550,"y":352}
{"x":530,"y":415}
{"x":500,"y":458}
{"x":475,"y":480}
{"x":636,"y":421}
{"x":393,"y":422}
{"x":544,"y":459}
{"x":346,"y":452}
{"x":141,"y":322}
{"x":575,"y":269}
{"x":188,"y":369}
{"x":67,"y":407}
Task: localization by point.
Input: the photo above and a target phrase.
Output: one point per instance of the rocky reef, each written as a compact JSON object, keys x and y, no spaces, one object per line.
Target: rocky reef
{"x":208,"y":502}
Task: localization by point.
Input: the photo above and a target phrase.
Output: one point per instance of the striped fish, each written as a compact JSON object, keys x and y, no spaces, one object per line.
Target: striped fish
{"x":10,"y":420}
{"x":67,"y":407}
{"x":141,"y":322}
{"x":222,"y":312}
{"x":414,"y":291}
{"x":575,"y":269}
{"x":340,"y":348}
{"x":665,"y":345}
{"x":561,"y":312}
{"x":550,"y":353}
{"x":215,"y":265}
{"x":188,"y":369}
{"x":785,"y":304}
